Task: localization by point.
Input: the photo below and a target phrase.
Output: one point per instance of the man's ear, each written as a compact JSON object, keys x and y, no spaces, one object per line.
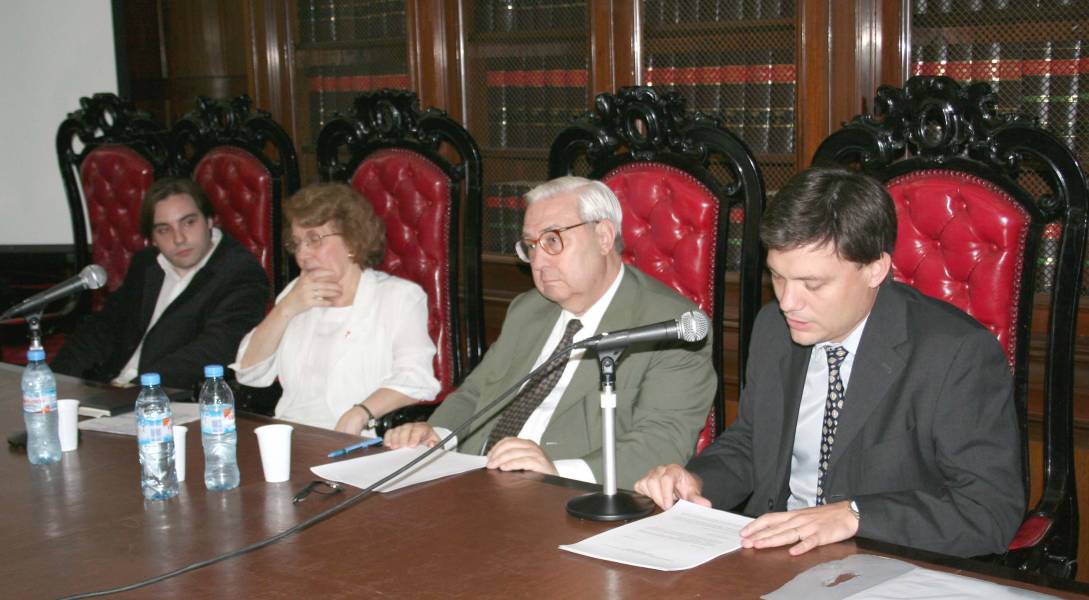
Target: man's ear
{"x":605,"y":230}
{"x":879,"y":270}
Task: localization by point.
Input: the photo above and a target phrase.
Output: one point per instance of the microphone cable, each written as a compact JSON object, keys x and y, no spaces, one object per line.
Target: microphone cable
{"x":333,"y":510}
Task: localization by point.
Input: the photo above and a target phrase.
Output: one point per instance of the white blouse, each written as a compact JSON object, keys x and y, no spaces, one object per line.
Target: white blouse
{"x":332,"y":358}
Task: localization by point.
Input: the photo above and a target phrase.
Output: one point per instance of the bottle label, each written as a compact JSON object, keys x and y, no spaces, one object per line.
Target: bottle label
{"x":154,"y":431}
{"x":46,"y":403}
{"x":217,"y":419}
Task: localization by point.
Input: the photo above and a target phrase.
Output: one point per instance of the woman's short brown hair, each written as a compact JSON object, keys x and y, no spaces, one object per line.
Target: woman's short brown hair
{"x":350,"y":214}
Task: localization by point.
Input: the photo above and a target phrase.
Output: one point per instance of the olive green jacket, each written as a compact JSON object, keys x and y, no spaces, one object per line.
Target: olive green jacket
{"x":664,"y":391}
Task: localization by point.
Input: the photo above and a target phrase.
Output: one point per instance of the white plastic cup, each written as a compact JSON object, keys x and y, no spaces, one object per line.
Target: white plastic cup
{"x":179,"y":450}
{"x":275,"y":444}
{"x":68,"y":413}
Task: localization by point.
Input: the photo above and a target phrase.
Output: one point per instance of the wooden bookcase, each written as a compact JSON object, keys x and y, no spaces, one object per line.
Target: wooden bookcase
{"x":763,"y":66}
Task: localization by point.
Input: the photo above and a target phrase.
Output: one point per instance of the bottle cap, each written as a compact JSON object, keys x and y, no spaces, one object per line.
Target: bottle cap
{"x":213,"y":370}
{"x":37,"y":354}
{"x":150,"y":379}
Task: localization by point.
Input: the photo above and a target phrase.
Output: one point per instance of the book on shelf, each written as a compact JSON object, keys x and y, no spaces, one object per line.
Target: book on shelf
{"x":753,"y":92}
{"x":531,"y":98}
{"x":507,"y":16}
{"x":323,"y":21}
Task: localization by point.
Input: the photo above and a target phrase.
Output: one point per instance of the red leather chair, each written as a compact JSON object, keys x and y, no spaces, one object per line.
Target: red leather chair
{"x":421,"y":170}
{"x":109,"y":153}
{"x":246,"y":164}
{"x":677,"y":174}
{"x":974,"y":191}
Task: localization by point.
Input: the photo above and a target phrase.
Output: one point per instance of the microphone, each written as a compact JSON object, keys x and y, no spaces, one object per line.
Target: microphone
{"x":91,"y":277}
{"x":692,"y":326}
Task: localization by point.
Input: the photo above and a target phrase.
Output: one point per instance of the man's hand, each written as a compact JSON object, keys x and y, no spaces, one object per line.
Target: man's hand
{"x":806,"y":528}
{"x":352,"y":421}
{"x":668,"y":483}
{"x":410,"y":435}
{"x":516,"y":454}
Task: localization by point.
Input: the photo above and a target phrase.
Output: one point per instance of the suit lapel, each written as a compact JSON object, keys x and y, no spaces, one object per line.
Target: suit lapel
{"x":153,"y":282}
{"x":876,"y":367}
{"x":793,"y":369}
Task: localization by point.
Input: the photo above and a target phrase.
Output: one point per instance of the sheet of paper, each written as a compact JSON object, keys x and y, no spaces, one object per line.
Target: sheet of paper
{"x":364,"y":471}
{"x":682,"y":537}
{"x":125,"y":424}
{"x":876,"y":577}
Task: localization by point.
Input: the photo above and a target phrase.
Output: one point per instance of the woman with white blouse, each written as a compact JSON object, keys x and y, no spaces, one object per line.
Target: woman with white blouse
{"x":348,"y":343}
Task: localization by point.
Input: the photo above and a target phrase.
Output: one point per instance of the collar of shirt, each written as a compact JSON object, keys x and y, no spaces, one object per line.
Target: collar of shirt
{"x":172,"y":275}
{"x":590,"y":319}
{"x":849,"y":343}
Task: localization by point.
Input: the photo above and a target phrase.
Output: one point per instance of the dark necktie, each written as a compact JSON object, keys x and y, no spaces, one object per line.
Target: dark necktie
{"x":832,"y":407}
{"x":536,"y":390}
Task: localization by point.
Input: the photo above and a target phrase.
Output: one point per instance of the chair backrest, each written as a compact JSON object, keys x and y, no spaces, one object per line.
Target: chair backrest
{"x":246,"y":163}
{"x":975,"y":193}
{"x":677,"y":175}
{"x":109,"y":154}
{"x":421,"y":171}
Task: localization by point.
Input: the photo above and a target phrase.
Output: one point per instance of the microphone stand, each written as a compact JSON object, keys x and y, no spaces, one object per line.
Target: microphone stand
{"x":609,"y":504}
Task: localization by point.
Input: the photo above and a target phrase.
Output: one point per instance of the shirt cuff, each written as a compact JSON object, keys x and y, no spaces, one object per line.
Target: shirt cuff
{"x":575,"y":468}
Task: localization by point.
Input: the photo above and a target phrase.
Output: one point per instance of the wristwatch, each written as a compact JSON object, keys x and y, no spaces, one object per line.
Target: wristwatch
{"x":372,"y":422}
{"x":853,"y":507}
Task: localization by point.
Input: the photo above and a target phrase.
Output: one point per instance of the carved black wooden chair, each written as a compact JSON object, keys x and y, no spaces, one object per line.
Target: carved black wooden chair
{"x":109,"y":153}
{"x":246,"y":163}
{"x":974,"y":191}
{"x":677,"y":175}
{"x":421,"y":171}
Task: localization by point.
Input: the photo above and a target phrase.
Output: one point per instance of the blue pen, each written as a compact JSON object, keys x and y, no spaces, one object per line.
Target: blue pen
{"x":354,"y":447}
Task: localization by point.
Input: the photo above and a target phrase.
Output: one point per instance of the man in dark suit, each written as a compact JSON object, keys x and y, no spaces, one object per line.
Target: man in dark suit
{"x":186,"y":300}
{"x":869,"y":409}
{"x":571,"y":239}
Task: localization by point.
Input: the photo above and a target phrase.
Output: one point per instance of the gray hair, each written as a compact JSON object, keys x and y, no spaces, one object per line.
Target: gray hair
{"x":596,"y":201}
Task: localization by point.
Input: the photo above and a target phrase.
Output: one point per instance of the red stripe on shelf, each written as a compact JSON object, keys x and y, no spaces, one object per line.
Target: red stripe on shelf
{"x":576,"y":78}
{"x":783,"y":73}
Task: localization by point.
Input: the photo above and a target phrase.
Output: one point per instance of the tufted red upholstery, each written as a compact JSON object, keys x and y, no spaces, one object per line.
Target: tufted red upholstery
{"x":114,"y":179}
{"x":962,"y":239}
{"x":669,"y":227}
{"x":412,"y":195}
{"x":240,"y":189}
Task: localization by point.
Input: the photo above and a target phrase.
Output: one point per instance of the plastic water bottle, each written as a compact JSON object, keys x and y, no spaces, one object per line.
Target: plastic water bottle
{"x":218,"y":431}
{"x":40,"y":410}
{"x":155,"y":436}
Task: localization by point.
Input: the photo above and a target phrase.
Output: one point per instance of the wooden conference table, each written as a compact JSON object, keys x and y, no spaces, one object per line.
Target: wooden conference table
{"x":82,"y":525}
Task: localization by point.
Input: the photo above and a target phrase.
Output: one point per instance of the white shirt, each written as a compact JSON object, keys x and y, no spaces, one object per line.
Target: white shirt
{"x":537,"y":422}
{"x":330,"y":358}
{"x":805,"y":459}
{"x":173,"y":286}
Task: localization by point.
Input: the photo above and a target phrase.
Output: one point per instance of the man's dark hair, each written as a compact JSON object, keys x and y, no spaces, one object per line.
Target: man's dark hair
{"x":165,"y":188}
{"x":820,"y":205}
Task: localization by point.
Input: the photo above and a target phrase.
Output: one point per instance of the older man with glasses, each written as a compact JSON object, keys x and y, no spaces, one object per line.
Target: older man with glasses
{"x":572,"y":240}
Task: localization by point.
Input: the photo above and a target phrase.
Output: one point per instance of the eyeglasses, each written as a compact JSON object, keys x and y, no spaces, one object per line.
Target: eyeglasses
{"x":550,"y":241}
{"x":324,"y":487}
{"x":312,"y":241}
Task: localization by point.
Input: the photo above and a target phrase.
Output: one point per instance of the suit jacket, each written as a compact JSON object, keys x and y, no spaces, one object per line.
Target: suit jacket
{"x":927,"y":443}
{"x":664,"y":391}
{"x":225,"y":299}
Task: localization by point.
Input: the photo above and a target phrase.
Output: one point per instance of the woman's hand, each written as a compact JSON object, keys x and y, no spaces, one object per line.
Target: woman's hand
{"x":314,"y":288}
{"x":352,"y":421}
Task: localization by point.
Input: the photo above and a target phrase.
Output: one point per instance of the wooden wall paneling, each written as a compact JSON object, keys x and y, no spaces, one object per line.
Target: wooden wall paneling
{"x":205,"y":43}
{"x":814,"y":77}
{"x":896,"y":43}
{"x":429,"y":62}
{"x":270,"y":34}
{"x":141,"y":55}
